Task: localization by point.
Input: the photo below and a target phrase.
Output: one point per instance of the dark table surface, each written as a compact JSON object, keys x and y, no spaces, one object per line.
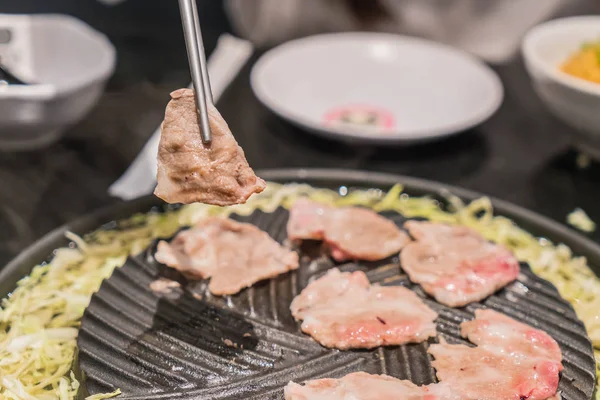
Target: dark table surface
{"x":522,"y":154}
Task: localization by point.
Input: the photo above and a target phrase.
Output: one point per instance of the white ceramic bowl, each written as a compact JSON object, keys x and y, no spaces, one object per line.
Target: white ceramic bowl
{"x":575,"y":101}
{"x":393,"y":89}
{"x":68,"y":61}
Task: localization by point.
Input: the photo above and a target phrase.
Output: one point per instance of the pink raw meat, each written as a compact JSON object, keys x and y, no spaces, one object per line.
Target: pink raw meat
{"x":363,"y":386}
{"x":456,"y":265}
{"x":350,"y":232}
{"x":234,"y":255}
{"x":342,"y":310}
{"x":512,"y":361}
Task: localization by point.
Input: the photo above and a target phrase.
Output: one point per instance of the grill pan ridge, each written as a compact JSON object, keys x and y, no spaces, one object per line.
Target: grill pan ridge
{"x":192,"y":345}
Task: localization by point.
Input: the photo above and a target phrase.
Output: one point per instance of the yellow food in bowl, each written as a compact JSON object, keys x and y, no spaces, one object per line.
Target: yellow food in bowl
{"x":585,"y":64}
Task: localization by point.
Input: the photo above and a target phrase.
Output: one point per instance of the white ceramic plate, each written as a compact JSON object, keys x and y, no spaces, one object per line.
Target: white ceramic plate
{"x":376,"y":88}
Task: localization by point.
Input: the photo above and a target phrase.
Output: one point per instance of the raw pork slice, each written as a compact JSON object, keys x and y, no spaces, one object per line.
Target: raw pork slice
{"x":234,"y":255}
{"x":350,"y":232}
{"x":342,"y":310}
{"x":363,"y":386}
{"x":190,"y":171}
{"x":493,"y":330}
{"x":456,"y":265}
{"x":512,"y":361}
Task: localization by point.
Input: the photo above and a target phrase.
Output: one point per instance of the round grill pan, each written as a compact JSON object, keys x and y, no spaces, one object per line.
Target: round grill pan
{"x":248,"y":346}
{"x":191,"y":345}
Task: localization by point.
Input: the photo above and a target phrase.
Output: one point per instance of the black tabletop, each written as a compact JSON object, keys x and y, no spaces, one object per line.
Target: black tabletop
{"x":522,"y":154}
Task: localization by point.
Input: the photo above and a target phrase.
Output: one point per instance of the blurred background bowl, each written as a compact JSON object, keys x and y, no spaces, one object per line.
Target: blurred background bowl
{"x":67,"y":63}
{"x":573,"y":100}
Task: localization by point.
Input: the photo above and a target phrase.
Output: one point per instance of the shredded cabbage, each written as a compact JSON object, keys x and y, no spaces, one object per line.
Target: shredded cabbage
{"x":580,"y":220}
{"x":40,"y":318}
{"x":104,"y":396}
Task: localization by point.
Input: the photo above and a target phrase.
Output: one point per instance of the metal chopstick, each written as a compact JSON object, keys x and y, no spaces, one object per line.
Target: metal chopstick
{"x":197,"y":60}
{"x":203,"y":65}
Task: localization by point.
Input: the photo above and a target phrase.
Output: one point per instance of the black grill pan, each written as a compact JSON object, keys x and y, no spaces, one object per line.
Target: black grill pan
{"x":106,"y":368}
{"x":191,"y":345}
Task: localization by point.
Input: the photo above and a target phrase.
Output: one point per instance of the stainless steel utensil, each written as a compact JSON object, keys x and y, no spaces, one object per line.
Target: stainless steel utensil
{"x":197,"y":60}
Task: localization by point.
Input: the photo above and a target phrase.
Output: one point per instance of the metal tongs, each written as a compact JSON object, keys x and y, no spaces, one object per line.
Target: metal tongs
{"x":197,"y":59}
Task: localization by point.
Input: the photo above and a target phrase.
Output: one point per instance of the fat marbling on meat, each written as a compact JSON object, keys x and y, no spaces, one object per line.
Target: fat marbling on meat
{"x":343,"y":310}
{"x":190,"y":171}
{"x":512,"y":361}
{"x":350,"y":232}
{"x":494,"y":330}
{"x":234,"y":255}
{"x":363,"y":386}
{"x":455,"y":264}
